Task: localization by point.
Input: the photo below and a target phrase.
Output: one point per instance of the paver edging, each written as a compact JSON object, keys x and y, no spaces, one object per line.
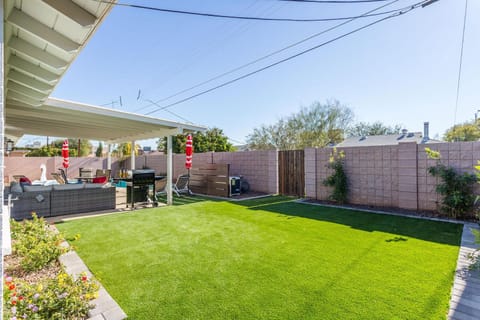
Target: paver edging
{"x":465,"y":296}
{"x":105,"y":307}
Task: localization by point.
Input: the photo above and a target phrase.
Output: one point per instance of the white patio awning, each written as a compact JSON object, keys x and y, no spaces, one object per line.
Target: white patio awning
{"x":61,"y":118}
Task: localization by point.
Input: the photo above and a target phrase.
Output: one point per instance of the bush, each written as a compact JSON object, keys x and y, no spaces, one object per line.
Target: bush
{"x":475,"y":257}
{"x":338,"y":180}
{"x":456,"y":188}
{"x":35,"y":243}
{"x":59,"y":298}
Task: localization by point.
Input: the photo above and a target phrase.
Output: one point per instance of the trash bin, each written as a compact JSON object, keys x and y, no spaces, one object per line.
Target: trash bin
{"x":234,"y":186}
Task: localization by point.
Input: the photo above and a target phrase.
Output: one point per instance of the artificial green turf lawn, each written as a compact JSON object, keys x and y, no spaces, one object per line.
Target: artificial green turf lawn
{"x":270,"y":259}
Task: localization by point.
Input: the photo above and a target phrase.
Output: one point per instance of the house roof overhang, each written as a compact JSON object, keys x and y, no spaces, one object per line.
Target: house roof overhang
{"x":42,"y":38}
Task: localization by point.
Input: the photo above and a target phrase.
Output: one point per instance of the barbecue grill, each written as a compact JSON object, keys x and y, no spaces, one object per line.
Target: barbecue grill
{"x":138,"y":189}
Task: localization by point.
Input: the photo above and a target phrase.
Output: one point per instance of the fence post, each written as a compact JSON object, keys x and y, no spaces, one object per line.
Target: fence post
{"x":407,"y":176}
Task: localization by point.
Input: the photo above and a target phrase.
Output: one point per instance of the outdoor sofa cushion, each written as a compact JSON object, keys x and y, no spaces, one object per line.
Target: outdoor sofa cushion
{"x":93,"y":186}
{"x":70,"y":186}
{"x":15,"y":187}
{"x":28,"y":188}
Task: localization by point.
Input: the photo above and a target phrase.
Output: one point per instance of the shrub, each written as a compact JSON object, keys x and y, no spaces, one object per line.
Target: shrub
{"x":35,"y":243}
{"x":338,"y":179}
{"x":60,"y":298}
{"x":456,"y":188}
{"x":475,"y":257}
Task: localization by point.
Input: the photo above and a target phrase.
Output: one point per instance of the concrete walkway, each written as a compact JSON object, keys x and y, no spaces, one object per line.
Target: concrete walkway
{"x":465,"y":299}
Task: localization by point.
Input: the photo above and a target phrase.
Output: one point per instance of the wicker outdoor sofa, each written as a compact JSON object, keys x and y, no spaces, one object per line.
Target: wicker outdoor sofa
{"x":57,"y":200}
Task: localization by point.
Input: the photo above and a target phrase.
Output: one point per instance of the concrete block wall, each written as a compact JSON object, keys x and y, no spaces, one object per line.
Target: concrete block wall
{"x":463,"y":156}
{"x":259,"y":168}
{"x":384,"y":176}
{"x":310,"y":173}
{"x":372,"y":175}
{"x":30,"y":166}
{"x":390,"y":176}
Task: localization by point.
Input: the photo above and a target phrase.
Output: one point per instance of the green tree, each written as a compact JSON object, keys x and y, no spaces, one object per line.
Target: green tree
{"x":210,"y":140}
{"x":45,"y":151}
{"x":85,"y":147}
{"x":468,"y":131}
{"x":55,"y":149}
{"x":125,"y":149}
{"x":376,"y":128}
{"x":314,"y":126}
{"x":99,"y":151}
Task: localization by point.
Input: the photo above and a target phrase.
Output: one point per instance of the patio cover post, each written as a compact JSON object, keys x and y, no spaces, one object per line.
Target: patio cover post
{"x":132,"y":156}
{"x":169,"y":170}
{"x":109,"y":157}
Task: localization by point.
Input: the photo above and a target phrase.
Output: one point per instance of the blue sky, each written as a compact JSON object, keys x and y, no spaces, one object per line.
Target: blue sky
{"x":400,"y":71}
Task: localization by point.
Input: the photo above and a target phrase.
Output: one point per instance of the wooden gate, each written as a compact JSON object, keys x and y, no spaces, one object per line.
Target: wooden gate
{"x":291,"y":173}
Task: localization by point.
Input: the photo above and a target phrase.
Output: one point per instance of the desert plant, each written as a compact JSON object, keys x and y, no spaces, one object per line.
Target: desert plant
{"x":338,"y":179}
{"x":456,"y":188}
{"x":35,"y":243}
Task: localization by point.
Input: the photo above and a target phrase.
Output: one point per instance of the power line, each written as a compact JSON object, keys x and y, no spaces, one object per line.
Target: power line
{"x":171,"y":112}
{"x":214,"y":15}
{"x":335,"y":1}
{"x":266,"y":56}
{"x":415,"y":6}
{"x":199,"y":53}
{"x":460,"y":63}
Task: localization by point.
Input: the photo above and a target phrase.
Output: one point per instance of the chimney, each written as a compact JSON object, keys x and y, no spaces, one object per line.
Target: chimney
{"x":425,"y":131}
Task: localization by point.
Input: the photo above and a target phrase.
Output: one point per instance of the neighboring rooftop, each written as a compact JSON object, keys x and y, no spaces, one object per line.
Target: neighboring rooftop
{"x":390,"y":139}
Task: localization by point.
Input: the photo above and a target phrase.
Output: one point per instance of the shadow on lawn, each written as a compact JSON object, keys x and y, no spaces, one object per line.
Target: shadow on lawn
{"x":434,"y":231}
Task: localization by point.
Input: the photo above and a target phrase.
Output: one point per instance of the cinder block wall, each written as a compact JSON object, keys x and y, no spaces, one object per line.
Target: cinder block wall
{"x":390,"y":176}
{"x":30,"y":166}
{"x":259,"y":168}
{"x":372,"y":174}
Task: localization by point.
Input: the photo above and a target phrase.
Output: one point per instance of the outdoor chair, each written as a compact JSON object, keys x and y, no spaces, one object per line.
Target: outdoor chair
{"x":160,"y":190}
{"x":103,"y":173}
{"x":63,"y":175}
{"x":58,"y":177}
{"x":160,"y":187}
{"x":181,"y":186}
{"x":17,"y":177}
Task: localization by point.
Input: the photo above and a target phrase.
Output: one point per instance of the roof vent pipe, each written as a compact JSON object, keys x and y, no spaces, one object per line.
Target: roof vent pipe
{"x":425,"y":130}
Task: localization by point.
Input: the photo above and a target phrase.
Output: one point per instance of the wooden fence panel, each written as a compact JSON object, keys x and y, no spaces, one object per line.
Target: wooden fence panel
{"x":211,"y":179}
{"x":291,"y":173}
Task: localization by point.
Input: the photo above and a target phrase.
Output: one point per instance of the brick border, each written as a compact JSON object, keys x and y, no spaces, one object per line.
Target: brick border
{"x":105,"y":307}
{"x":465,"y":295}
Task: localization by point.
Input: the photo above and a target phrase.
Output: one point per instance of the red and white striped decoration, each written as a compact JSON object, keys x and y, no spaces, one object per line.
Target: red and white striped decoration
{"x":189,"y":152}
{"x":66,"y":162}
